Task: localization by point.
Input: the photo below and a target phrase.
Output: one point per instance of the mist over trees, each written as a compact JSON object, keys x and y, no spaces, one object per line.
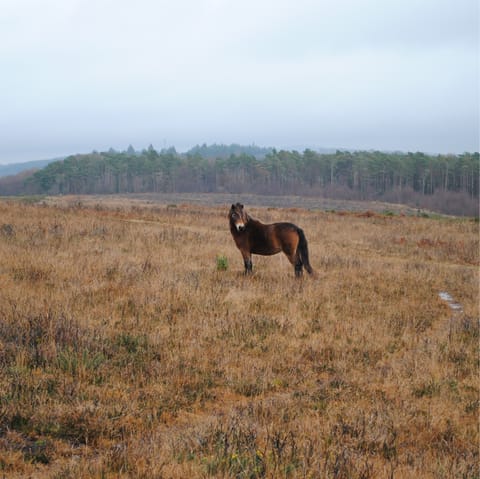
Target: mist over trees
{"x":224,"y":151}
{"x":445,"y":183}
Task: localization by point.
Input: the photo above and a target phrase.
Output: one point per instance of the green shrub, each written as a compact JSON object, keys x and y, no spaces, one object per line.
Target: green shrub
{"x":222,"y":263}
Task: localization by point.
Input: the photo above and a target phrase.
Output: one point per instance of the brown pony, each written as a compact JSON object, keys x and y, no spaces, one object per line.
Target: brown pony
{"x":253,"y":237}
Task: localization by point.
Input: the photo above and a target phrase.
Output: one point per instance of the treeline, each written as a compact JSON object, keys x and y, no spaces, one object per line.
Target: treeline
{"x":446,"y":183}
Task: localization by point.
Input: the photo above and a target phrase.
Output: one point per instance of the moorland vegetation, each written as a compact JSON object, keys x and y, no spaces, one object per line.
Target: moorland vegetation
{"x":132,"y":345}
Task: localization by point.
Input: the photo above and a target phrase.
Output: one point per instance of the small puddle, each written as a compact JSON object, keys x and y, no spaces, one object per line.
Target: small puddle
{"x":447,"y":297}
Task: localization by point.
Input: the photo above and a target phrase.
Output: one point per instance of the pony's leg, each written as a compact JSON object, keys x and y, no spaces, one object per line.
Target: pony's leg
{"x":247,"y":261}
{"x":294,"y":258}
{"x":298,"y":268}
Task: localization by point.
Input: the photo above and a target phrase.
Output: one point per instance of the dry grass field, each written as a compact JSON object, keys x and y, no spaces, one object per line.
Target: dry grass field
{"x":126,"y":350}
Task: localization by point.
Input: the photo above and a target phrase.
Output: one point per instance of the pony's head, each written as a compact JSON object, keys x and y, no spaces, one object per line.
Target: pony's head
{"x":238,"y":217}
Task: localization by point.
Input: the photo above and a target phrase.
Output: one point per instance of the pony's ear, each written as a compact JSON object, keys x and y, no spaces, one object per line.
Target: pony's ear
{"x":233,"y":206}
{"x":241,"y":206}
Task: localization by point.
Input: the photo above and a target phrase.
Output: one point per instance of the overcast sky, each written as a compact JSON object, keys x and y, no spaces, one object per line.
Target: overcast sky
{"x":83,"y":75}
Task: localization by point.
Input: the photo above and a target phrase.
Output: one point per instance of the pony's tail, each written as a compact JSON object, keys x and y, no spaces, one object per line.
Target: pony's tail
{"x":303,"y":251}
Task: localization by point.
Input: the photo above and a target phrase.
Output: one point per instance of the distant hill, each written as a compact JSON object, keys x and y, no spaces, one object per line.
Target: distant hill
{"x":15,"y":168}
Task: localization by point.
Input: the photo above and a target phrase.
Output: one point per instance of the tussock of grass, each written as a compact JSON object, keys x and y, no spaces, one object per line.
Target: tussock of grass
{"x":126,"y":350}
